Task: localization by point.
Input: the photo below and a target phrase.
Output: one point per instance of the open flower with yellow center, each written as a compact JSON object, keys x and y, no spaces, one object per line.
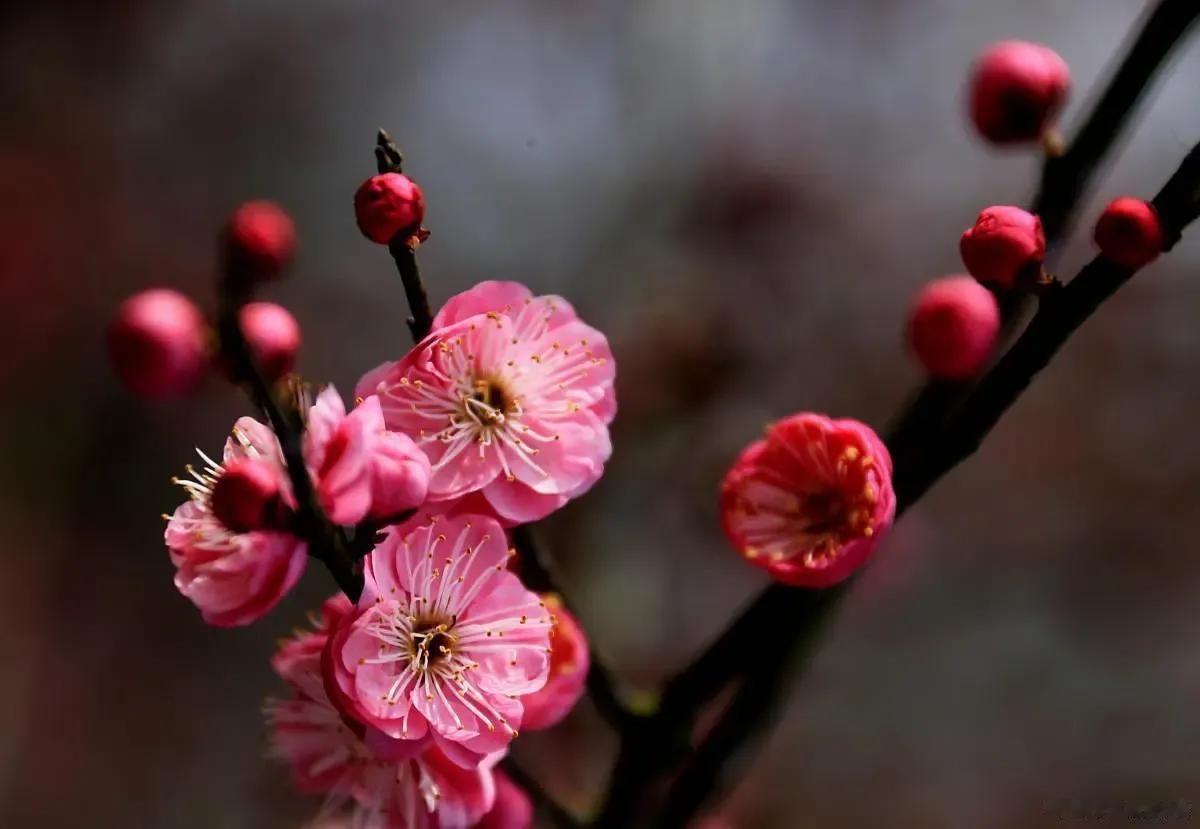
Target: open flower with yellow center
{"x":510,"y":396}
{"x":810,"y":502}
{"x":444,"y":642}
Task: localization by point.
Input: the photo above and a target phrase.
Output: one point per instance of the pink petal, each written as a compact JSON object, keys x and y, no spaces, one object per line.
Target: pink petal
{"x":481,"y":299}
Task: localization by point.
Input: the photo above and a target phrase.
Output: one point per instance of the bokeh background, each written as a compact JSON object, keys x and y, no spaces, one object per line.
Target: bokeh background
{"x":744,"y":194}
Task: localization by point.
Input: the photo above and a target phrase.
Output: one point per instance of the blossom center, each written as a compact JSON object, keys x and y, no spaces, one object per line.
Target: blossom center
{"x":432,"y":643}
{"x":833,"y":517}
{"x":489,"y":402}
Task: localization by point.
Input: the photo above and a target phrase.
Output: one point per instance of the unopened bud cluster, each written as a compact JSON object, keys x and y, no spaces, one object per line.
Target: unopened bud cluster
{"x":162,"y":345}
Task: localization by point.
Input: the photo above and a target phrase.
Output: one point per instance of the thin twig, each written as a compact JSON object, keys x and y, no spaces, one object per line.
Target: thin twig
{"x":326,"y":541}
{"x":404,"y":253}
{"x":389,"y":159}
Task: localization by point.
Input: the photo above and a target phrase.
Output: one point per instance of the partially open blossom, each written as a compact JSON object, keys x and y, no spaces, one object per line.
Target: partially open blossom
{"x":953,"y":327}
{"x":361,"y":468}
{"x":356,"y":767}
{"x":1016,"y":91}
{"x":513,"y":809}
{"x":444,"y":642}
{"x":567,"y":681}
{"x":810,"y":502}
{"x":1129,"y":232}
{"x":259,"y":240}
{"x":510,"y":395}
{"x":1006,"y":248}
{"x":308,"y":644}
{"x":234,"y":578}
{"x":388,"y":204}
{"x":247,"y":496}
{"x":156,"y":343}
{"x":273,"y":336}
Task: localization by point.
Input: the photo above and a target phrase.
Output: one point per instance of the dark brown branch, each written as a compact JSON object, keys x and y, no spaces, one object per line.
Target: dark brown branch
{"x":1063,"y":182}
{"x":326,"y":541}
{"x":662,"y":740}
{"x":1061,"y":313}
{"x":754,"y":707}
{"x":404,"y":253}
{"x":1065,"y":178}
{"x":389,"y":159}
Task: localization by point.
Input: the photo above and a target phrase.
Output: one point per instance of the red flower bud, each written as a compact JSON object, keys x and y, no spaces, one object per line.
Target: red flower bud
{"x":1016,"y":90}
{"x":246,"y":496}
{"x":1005,"y":248}
{"x":388,"y":204}
{"x":953,"y":327}
{"x":260,"y":239}
{"x":273,"y":336}
{"x":156,"y":343}
{"x":1129,"y":232}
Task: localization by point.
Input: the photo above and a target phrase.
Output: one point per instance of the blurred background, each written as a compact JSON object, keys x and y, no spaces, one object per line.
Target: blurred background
{"x":743,"y":195}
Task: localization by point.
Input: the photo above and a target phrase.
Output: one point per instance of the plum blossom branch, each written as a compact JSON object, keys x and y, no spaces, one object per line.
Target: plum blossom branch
{"x":1064,"y":179}
{"x":653,"y":747}
{"x":403,"y":247}
{"x":1156,"y":39}
{"x":537,"y":566}
{"x":327,"y":542}
{"x":1060,"y":314}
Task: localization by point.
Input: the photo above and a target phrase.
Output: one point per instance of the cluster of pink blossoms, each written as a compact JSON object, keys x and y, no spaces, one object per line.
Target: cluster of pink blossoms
{"x":404,"y":702}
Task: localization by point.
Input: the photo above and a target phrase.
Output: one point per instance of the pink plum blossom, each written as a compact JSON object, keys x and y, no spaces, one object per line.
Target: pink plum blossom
{"x":234,"y":578}
{"x":444,"y":642}
{"x":356,"y":766}
{"x":510,"y":395}
{"x":361,"y":468}
{"x":810,"y":503}
{"x":569,"y":665}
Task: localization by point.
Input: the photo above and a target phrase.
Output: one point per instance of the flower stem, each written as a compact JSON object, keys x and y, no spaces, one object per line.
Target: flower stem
{"x":326,"y":541}
{"x":389,"y":159}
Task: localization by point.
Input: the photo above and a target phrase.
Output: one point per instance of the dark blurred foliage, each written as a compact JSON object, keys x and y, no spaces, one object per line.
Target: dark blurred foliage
{"x":743,"y":195}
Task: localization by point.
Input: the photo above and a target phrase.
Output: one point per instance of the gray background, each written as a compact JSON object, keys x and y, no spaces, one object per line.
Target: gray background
{"x":744,"y":195}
